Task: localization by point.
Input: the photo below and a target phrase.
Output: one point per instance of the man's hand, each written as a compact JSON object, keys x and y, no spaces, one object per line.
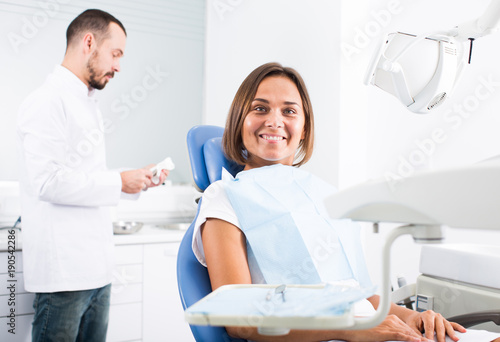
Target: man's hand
{"x":134,"y":181}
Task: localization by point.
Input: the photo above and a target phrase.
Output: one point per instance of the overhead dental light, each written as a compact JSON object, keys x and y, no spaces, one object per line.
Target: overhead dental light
{"x":422,"y":71}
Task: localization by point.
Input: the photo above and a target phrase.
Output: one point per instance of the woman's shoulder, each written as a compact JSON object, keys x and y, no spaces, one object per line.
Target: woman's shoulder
{"x":214,"y":189}
{"x":215,"y":200}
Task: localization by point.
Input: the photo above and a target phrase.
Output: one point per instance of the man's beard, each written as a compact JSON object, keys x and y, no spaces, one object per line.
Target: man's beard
{"x":93,"y":74}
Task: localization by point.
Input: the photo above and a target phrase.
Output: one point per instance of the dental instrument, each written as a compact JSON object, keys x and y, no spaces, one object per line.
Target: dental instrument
{"x":166,"y":164}
{"x":281,"y":289}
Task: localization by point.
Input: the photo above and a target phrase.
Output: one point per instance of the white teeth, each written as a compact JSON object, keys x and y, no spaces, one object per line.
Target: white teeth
{"x":275,"y":138}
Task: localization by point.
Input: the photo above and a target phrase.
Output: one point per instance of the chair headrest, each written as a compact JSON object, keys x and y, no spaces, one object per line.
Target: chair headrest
{"x":215,"y":160}
{"x":206,"y":156}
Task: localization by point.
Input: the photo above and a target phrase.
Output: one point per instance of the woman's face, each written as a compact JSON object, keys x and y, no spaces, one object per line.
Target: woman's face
{"x":274,"y":127}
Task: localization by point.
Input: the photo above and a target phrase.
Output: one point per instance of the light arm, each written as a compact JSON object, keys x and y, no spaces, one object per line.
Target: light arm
{"x":482,"y":26}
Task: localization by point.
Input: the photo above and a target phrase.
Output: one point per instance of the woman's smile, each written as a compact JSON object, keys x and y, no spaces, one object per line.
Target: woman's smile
{"x":272,"y":138}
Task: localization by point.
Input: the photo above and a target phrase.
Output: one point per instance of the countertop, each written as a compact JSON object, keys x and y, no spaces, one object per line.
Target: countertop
{"x":150,"y":233}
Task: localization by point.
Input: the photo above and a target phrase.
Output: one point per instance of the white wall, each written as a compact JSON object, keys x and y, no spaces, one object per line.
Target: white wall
{"x":378,"y":134}
{"x":241,"y":35}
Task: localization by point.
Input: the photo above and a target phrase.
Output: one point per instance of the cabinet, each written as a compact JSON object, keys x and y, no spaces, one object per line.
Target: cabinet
{"x":145,"y":304}
{"x":163,"y":316}
{"x":125,"y":312}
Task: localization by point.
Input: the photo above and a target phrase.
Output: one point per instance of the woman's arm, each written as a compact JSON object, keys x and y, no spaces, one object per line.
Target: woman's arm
{"x":225,"y":253}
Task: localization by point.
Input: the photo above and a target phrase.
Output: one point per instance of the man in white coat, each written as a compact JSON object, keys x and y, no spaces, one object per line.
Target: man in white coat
{"x":66,"y":187}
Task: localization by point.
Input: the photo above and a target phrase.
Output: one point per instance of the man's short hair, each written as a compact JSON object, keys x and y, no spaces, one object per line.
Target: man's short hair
{"x":94,"y":21}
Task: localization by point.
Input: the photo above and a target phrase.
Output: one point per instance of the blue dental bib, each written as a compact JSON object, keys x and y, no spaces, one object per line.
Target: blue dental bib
{"x":288,"y":231}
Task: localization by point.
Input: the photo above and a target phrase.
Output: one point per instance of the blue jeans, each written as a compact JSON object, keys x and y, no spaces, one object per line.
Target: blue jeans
{"x":71,"y":316}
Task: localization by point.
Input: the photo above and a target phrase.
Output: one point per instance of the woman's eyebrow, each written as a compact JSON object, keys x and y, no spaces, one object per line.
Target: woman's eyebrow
{"x":288,"y":103}
{"x":261,"y":100}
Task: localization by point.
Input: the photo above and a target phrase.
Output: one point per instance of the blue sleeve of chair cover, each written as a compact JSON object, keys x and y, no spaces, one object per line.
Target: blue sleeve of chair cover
{"x":215,"y":160}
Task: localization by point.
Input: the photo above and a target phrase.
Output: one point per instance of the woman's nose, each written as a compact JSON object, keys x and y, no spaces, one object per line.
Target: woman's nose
{"x":274,"y":119}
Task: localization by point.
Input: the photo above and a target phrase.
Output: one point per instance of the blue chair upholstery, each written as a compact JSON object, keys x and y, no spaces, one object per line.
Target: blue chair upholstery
{"x":215,"y":160}
{"x":196,"y":138}
{"x":207,"y":160}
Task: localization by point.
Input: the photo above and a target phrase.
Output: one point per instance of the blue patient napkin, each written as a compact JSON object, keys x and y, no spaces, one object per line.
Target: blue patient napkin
{"x":288,"y":232}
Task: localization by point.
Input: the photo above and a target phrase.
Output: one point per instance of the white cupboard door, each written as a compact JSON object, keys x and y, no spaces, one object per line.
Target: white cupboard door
{"x":163,"y":313}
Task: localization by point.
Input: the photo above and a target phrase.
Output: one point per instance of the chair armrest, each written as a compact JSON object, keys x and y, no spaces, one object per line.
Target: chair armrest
{"x":472,"y":319}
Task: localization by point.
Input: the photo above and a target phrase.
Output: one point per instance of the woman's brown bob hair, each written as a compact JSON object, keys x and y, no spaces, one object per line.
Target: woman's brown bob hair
{"x":232,"y":141}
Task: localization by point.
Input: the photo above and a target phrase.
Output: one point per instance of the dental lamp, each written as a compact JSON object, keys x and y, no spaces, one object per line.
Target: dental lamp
{"x":422,"y":71}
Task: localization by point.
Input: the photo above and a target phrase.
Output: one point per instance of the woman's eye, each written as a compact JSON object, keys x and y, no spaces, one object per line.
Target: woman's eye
{"x":289,"y":111}
{"x":260,"y":109}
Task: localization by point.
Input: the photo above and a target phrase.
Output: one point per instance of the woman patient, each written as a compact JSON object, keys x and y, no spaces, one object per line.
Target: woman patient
{"x":268,"y":225}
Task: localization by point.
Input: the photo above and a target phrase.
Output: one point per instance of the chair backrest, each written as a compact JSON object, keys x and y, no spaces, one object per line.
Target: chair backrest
{"x":207,"y":160}
{"x":206,"y":155}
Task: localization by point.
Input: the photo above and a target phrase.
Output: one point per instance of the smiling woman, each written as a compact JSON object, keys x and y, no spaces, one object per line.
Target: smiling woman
{"x":270,"y":113}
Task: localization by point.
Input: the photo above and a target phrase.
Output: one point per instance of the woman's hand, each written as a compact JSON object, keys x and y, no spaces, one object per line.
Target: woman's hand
{"x":391,"y":329}
{"x":430,"y":322}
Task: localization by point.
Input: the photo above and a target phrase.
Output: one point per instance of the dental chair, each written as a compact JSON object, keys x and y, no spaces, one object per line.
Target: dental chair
{"x":207,"y":160}
{"x":456,"y":293}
